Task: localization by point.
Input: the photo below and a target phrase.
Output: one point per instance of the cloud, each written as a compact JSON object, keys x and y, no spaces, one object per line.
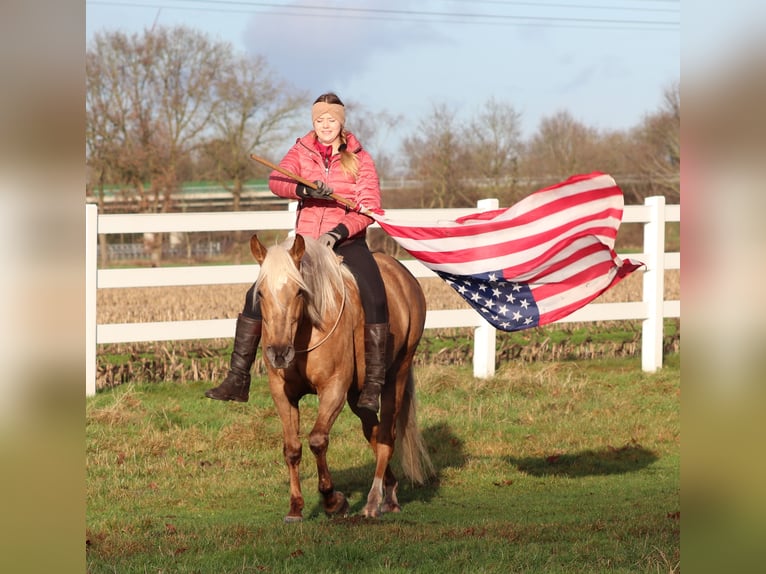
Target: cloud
{"x":324,"y":50}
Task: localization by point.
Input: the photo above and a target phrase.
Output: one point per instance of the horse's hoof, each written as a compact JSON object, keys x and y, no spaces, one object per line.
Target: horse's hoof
{"x":371,"y":511}
{"x":342,"y":509}
{"x":391,"y":508}
{"x":290,"y":519}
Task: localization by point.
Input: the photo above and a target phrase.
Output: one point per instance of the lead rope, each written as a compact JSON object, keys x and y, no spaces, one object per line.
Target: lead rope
{"x":337,"y":321}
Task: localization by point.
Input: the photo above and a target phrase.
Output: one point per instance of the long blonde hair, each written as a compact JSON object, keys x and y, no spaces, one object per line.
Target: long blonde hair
{"x":349,"y":163}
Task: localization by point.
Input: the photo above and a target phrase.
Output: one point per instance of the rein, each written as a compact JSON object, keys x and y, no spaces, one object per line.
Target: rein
{"x":335,"y":326}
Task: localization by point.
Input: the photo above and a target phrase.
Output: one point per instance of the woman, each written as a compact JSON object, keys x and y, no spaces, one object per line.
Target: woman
{"x":334,"y":160}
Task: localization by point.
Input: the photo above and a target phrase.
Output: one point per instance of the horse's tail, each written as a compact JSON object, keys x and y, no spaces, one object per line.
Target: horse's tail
{"x":416,"y":463}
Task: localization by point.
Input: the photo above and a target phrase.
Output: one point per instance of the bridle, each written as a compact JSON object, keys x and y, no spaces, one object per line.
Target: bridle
{"x":337,"y":320}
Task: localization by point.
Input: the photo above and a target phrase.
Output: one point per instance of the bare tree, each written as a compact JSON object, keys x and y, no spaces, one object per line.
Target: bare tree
{"x":657,"y":158}
{"x":149,"y":100}
{"x":495,"y":148}
{"x":255,"y":112}
{"x":118,"y":151}
{"x":372,"y":130}
{"x":438,"y":156}
{"x":561,"y":147}
{"x":186,"y":65}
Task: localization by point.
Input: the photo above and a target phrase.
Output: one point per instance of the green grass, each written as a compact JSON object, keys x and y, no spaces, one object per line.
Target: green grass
{"x":546,"y":467}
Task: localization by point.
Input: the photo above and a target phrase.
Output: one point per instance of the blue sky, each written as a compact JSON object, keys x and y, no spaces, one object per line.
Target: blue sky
{"x":605,"y":61}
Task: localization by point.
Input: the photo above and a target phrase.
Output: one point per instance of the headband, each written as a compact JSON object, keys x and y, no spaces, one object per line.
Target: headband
{"x":337,"y":111}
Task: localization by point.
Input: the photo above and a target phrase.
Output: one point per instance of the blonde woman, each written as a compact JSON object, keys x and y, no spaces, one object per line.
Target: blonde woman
{"x":335,"y":161}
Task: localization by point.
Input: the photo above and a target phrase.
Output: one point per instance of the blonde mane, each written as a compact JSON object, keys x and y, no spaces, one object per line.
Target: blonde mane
{"x":321,"y":277}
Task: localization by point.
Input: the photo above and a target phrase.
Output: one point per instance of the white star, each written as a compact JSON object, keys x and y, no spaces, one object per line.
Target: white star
{"x":496,"y":292}
{"x":475,"y":297}
{"x":516,"y":287}
{"x":510,"y":298}
{"x":461,"y":289}
{"x":493,"y":277}
{"x":489,"y":303}
{"x":517,"y":316}
{"x":528,"y":320}
{"x":524,"y":303}
{"x":482,"y":287}
{"x":503,"y":310}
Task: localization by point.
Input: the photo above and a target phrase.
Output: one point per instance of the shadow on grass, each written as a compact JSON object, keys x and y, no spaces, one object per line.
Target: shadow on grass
{"x":609,"y":460}
{"x":445,"y":450}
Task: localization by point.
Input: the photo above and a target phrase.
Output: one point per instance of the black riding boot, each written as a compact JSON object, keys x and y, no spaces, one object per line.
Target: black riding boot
{"x":236,"y":385}
{"x":375,"y":336}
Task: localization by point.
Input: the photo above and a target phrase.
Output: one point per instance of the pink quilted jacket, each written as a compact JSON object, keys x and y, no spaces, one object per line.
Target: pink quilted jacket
{"x":317,"y":216}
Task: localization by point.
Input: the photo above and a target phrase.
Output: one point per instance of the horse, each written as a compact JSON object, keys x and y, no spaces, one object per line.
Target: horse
{"x":313,"y":343}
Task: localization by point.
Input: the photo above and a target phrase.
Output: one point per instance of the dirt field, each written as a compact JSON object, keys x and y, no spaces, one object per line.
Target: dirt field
{"x":225,"y":301}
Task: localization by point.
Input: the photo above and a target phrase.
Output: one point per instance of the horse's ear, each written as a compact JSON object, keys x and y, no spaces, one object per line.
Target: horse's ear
{"x":257,"y":249}
{"x":298,"y":249}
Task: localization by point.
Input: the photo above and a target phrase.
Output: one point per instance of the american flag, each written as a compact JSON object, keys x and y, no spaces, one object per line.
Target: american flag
{"x":530,"y":264}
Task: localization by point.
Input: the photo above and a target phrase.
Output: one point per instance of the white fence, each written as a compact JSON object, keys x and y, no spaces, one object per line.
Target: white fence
{"x":651,"y":309}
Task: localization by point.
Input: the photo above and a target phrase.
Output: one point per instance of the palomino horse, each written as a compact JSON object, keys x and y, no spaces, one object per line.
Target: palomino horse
{"x":313,"y":343}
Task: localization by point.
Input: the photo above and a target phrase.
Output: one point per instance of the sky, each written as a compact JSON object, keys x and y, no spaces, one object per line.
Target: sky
{"x":606,"y":62}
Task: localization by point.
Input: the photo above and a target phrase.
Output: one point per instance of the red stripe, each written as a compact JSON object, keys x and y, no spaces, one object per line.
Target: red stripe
{"x":563,"y":311}
{"x":579,"y":200}
{"x":518,"y":245}
{"x":544,"y":290}
{"x":547,"y":289}
{"x":488,"y":221}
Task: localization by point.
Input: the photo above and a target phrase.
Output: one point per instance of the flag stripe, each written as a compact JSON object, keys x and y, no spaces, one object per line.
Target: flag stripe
{"x":514,"y":240}
{"x":516,"y":257}
{"x":568,"y":263}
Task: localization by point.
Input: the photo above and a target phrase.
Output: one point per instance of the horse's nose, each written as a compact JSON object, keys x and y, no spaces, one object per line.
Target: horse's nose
{"x":280,"y":356}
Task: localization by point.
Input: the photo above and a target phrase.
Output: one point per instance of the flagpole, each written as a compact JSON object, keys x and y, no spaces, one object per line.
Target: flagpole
{"x":312,"y":185}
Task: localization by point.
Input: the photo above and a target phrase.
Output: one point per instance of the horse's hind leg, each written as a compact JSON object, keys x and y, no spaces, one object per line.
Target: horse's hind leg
{"x":381,"y":437}
{"x":390,"y":501}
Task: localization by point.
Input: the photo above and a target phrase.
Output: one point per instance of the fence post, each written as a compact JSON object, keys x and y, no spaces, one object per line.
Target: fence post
{"x":654,"y":285}
{"x":485,"y":335}
{"x":91,"y":289}
{"x":292,"y":207}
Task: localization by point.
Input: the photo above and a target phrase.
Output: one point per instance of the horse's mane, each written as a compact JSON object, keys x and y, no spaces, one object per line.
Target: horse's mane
{"x":321,"y":277}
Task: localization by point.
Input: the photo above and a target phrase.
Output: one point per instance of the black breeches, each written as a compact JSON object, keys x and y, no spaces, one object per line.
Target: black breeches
{"x":361,"y":263}
{"x":357,"y":257}
{"x":252,"y":308}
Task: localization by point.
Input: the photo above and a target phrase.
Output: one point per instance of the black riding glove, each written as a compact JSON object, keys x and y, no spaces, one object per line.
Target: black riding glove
{"x":321,"y":191}
{"x":334,"y":236}
{"x":330,"y":239}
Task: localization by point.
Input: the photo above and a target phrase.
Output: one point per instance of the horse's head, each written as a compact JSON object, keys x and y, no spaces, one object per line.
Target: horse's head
{"x":281,"y":291}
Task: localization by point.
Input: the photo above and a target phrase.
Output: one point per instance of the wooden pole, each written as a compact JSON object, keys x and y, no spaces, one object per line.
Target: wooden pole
{"x":307,"y":183}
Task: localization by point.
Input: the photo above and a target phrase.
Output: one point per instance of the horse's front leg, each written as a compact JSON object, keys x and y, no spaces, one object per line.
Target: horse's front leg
{"x":330,"y":405}
{"x":292,"y":450}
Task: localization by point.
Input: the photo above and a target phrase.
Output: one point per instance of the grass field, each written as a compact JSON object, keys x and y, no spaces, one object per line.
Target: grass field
{"x":565,"y":466}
